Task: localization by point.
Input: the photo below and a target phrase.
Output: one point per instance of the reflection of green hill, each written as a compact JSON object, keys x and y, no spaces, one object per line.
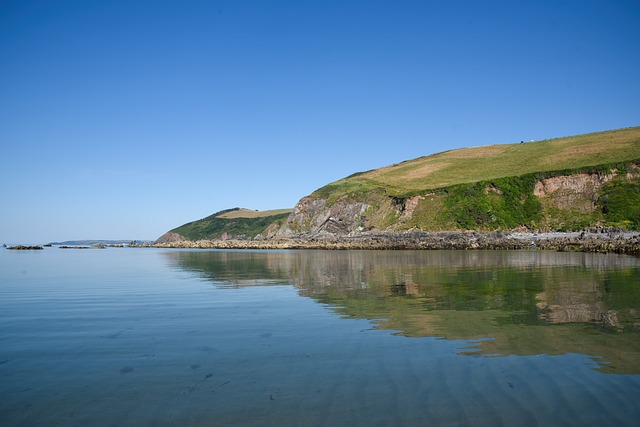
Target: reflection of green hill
{"x":523,"y":303}
{"x":230,"y":268}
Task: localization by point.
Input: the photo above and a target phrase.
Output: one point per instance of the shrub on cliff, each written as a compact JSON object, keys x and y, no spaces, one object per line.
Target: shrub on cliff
{"x":503,"y":203}
{"x":620,"y":202}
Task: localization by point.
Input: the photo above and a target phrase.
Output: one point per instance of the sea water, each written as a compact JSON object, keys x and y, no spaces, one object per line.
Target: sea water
{"x":161,"y":337}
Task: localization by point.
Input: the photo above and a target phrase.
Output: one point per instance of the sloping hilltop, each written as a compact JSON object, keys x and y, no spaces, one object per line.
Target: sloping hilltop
{"x":233,"y":223}
{"x":475,"y":164}
{"x":560,"y":184}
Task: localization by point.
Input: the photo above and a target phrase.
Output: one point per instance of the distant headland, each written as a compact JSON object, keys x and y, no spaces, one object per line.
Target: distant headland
{"x":578,"y":192}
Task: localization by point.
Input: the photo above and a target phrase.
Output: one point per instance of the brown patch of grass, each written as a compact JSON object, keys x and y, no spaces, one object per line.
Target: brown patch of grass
{"x":248,"y":213}
{"x":581,"y":151}
{"x":405,"y":171}
{"x":605,"y":145}
{"x":475,"y":152}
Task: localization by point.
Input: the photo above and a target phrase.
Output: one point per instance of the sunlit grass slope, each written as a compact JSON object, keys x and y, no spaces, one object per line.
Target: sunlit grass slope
{"x":248,"y":213}
{"x":490,"y":162}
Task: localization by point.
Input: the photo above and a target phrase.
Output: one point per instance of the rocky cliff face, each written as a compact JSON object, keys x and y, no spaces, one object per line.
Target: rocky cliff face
{"x":580,"y":191}
{"x":313,"y":217}
{"x":561,"y":196}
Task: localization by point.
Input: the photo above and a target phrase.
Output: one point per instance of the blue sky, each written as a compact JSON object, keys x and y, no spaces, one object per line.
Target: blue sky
{"x":124,"y":119}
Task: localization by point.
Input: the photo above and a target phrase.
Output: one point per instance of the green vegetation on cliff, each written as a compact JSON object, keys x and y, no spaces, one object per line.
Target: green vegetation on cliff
{"x":508,"y":203}
{"x":620,"y":203}
{"x":503,"y":203}
{"x":236,"y":223}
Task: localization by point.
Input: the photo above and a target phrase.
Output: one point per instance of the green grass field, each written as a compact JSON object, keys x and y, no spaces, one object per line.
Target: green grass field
{"x":490,"y":162}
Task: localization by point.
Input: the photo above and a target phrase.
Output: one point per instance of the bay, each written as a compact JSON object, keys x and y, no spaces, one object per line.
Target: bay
{"x":155,"y":337}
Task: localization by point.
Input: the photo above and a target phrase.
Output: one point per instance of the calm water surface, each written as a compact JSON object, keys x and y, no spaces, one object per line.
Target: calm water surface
{"x":148,"y":337}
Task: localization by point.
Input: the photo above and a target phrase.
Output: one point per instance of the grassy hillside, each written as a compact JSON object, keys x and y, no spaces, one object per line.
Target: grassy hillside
{"x":248,"y":213}
{"x":236,"y":223}
{"x":469,"y":165}
{"x":493,"y":187}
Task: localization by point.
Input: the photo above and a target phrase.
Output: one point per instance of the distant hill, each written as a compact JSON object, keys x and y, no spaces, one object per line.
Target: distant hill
{"x":236,"y":223}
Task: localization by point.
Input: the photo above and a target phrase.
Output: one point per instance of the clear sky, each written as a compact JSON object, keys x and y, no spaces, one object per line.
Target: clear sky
{"x":124,"y":119}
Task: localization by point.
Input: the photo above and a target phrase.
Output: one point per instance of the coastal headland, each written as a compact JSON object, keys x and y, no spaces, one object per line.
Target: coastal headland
{"x":570,"y":193}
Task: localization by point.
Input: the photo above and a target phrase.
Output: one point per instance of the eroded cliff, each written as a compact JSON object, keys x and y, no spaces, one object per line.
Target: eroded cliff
{"x":553,"y":201}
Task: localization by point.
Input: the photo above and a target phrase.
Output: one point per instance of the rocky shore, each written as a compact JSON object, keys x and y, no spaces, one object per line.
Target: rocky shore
{"x":602,"y":241}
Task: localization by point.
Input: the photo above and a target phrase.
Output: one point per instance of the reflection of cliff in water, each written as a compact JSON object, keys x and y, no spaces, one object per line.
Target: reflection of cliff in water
{"x":234,"y":268}
{"x":524,"y":302}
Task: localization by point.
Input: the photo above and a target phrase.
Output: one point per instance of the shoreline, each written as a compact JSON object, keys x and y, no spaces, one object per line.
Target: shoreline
{"x":586,"y":241}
